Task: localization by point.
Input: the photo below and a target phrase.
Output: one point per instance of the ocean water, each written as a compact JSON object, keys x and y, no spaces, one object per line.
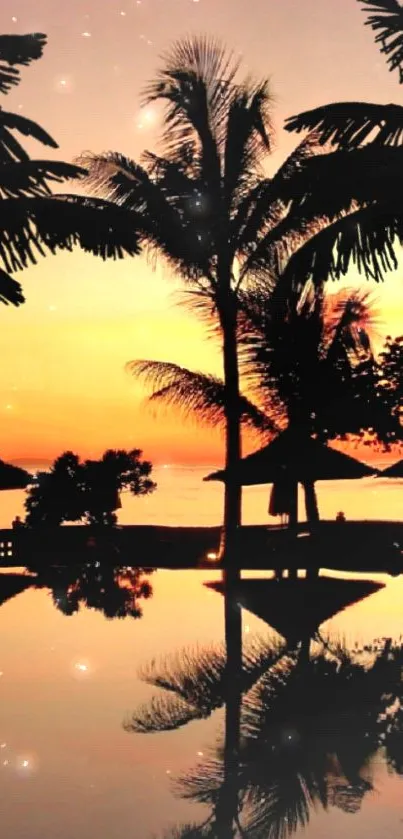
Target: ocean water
{"x":183,"y":498}
{"x":71,"y":678}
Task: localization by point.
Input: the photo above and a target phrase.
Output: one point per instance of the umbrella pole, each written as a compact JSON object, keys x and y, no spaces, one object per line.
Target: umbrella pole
{"x":293,"y":522}
{"x":293,"y":514}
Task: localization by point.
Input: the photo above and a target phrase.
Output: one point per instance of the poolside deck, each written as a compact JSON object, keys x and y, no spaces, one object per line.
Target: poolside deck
{"x":359,"y":545}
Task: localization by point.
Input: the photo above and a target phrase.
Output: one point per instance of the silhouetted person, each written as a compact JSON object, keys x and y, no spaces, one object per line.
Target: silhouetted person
{"x":17,"y":523}
{"x":340,"y":518}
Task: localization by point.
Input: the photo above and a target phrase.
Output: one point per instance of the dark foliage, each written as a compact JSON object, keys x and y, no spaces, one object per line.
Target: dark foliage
{"x":17,"y":50}
{"x":33,"y":222}
{"x":385,"y":17}
{"x":99,"y":585}
{"x":309,"y":733}
{"x":390,"y":381}
{"x":89,"y":490}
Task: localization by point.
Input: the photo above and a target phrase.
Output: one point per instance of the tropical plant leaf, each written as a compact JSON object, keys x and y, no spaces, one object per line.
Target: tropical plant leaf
{"x":164,"y":230}
{"x":197,"y":395}
{"x":17,"y":50}
{"x":349,"y":125}
{"x":162,"y":713}
{"x":32,"y":227}
{"x":196,"y":84}
{"x":10,"y":148}
{"x":385,"y":17}
{"x":195,"y":680}
{"x":29,"y":178}
{"x":10,"y":290}
{"x":365,"y":238}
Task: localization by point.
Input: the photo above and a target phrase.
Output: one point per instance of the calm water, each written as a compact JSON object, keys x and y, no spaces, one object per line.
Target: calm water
{"x":182,"y":498}
{"x":71,"y":677}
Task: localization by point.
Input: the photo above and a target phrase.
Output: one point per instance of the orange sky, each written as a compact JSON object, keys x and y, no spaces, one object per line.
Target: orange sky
{"x":62,"y":383}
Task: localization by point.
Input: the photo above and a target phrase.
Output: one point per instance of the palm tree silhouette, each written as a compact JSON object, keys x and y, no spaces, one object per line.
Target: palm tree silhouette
{"x":307,"y":365}
{"x":368,"y":140}
{"x":310,"y":730}
{"x":207,"y":207}
{"x":33,"y":221}
{"x":300,"y":733}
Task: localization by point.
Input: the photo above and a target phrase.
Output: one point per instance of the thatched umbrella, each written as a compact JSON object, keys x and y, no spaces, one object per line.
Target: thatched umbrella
{"x":394,"y":471}
{"x":12,"y":477}
{"x":297,"y":608}
{"x":294,"y":457}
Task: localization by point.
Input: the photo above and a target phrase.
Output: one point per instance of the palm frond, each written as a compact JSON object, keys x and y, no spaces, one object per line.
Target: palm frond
{"x":196,"y":84}
{"x":164,"y":229}
{"x":199,"y":396}
{"x":329,"y":185}
{"x":265,"y":206}
{"x":365,"y":238}
{"x":29,"y":178}
{"x":350,"y":316}
{"x":162,"y":713}
{"x":10,"y":290}
{"x":32,"y":227}
{"x":349,"y":125}
{"x":17,"y":50}
{"x":10,"y":148}
{"x":196,"y":682}
{"x":385,"y":17}
{"x":248,"y":139}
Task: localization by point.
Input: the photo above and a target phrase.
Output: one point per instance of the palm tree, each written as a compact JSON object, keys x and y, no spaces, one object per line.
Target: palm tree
{"x":305,"y":363}
{"x":309,"y":732}
{"x":208,"y":207}
{"x":368,"y":138}
{"x":33,"y":221}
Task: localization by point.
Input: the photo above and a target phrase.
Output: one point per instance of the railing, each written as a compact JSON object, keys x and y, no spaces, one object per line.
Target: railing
{"x":6,"y":549}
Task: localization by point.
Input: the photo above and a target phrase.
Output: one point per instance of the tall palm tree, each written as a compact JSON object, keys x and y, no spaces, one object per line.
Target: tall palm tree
{"x":33,"y":221}
{"x":308,"y":736}
{"x":305,"y":363}
{"x":302,"y":731}
{"x":208,"y":207}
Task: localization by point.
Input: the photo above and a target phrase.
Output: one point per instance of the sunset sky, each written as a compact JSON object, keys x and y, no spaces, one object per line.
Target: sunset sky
{"x":62,"y":382}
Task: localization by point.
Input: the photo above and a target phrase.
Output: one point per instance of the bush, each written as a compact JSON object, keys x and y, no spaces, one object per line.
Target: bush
{"x":86,"y":491}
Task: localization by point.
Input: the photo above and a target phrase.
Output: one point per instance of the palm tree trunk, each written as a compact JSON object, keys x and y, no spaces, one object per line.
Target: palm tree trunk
{"x":228,"y":799}
{"x":312,"y":517}
{"x":233,"y":488}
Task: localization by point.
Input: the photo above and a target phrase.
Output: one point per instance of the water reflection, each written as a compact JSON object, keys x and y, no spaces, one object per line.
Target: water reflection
{"x":115,"y":591}
{"x":305,"y":723}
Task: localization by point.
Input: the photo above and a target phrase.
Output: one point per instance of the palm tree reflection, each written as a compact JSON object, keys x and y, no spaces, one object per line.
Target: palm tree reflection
{"x":303,"y":729}
{"x":113,"y":590}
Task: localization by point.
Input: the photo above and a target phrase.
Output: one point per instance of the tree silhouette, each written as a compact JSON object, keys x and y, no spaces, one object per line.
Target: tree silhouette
{"x":309,"y":733}
{"x":390,"y":381}
{"x":208,"y":209}
{"x":33,"y":221}
{"x":113,"y":590}
{"x":89,"y":491}
{"x":303,"y":726}
{"x":308,"y":366}
{"x":368,"y":138}
{"x":194,"y":684}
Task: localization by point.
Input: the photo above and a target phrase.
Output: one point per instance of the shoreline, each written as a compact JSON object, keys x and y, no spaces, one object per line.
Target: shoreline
{"x":362,"y":545}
